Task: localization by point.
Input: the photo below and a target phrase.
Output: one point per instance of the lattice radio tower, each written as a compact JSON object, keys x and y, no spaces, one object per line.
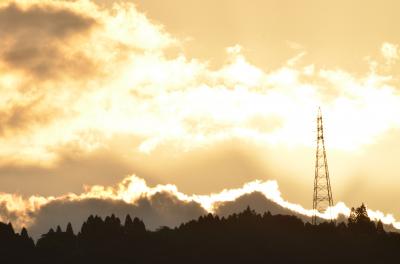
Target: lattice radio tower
{"x":322,"y":187}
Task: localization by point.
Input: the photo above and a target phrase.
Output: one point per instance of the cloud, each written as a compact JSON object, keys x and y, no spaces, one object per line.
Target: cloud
{"x":258,"y":202}
{"x":161,"y":209}
{"x":7,"y":215}
{"x":56,"y":54}
{"x":158,"y":205}
{"x":92,"y":92}
{"x":35,"y":40}
{"x":390,"y":52}
{"x":136,"y":89}
{"x":21,"y":117}
{"x":46,"y":20}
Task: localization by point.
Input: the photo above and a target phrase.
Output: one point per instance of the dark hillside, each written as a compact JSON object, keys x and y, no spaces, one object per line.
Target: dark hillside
{"x":247,"y":237}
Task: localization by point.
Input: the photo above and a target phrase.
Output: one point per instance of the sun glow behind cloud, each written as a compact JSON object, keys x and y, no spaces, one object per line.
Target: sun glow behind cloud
{"x":132,"y":188}
{"x":139,"y":91}
{"x":130,"y":76}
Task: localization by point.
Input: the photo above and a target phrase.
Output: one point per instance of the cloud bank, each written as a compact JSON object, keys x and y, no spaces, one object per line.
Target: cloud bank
{"x":161,"y":205}
{"x":115,"y":71}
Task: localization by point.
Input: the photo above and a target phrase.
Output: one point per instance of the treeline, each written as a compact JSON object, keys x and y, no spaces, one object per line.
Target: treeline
{"x":246,"y":237}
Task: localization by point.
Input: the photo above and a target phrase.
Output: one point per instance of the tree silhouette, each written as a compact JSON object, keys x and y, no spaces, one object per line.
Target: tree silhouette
{"x":24,"y":233}
{"x":69,"y":230}
{"x":246,"y":237}
{"x":379,"y":227}
{"x":353,"y":217}
{"x":360,"y":222}
{"x":362,"y":215}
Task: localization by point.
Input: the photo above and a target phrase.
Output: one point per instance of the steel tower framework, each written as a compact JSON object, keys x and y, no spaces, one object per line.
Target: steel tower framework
{"x":322,"y":198}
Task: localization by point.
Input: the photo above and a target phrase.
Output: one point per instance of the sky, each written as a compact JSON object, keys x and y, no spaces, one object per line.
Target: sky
{"x":171,"y":109}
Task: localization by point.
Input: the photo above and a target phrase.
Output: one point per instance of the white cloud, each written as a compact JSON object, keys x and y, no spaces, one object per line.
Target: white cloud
{"x":158,"y":205}
{"x":137,"y":90}
{"x":390,"y":52}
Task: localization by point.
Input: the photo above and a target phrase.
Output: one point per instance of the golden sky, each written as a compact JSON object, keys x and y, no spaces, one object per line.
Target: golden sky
{"x":204,"y":95}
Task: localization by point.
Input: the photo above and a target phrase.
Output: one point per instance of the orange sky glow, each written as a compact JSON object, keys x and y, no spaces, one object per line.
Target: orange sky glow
{"x":205,"y":101}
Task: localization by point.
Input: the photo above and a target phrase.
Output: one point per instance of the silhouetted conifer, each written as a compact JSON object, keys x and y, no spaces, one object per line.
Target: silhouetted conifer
{"x":24,"y":233}
{"x":69,"y":229}
{"x":10,"y":228}
{"x":379,"y":227}
{"x":138,"y":225}
{"x":353,"y":217}
{"x":128,"y":221}
{"x":246,"y":237}
{"x":362,"y":215}
{"x":359,"y":221}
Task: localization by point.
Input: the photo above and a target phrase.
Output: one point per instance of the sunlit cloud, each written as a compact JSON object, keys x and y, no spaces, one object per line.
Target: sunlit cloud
{"x":136,"y":89}
{"x":107,"y":71}
{"x":132,"y":189}
{"x":390,"y":52}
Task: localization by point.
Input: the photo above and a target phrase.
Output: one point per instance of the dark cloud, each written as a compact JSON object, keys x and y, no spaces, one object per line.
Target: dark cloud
{"x":44,"y":20}
{"x":20,"y":117}
{"x":159,"y":210}
{"x":258,"y":202}
{"x":32,"y":40}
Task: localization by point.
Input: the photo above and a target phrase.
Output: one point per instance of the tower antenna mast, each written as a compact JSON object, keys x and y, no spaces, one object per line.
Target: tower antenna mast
{"x":322,"y":198}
